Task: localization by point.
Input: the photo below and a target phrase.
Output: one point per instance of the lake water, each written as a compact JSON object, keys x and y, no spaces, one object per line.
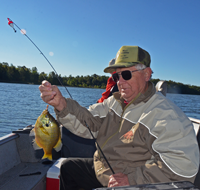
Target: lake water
{"x":20,"y":104}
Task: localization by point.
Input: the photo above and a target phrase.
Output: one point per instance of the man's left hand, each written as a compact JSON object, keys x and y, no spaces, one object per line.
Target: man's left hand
{"x":128,"y":135}
{"x":118,"y":179}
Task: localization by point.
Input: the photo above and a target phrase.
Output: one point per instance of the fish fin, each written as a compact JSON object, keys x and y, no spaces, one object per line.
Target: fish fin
{"x":36,"y":146}
{"x":58,"y":145}
{"x":48,"y":156}
{"x":32,"y":132}
{"x":44,"y":130}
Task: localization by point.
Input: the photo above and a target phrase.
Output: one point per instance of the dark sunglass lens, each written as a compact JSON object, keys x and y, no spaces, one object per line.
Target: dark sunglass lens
{"x":115,"y":77}
{"x":126,"y":75}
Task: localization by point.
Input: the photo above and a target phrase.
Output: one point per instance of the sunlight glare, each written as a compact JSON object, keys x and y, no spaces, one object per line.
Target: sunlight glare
{"x":51,"y":53}
{"x":23,"y":31}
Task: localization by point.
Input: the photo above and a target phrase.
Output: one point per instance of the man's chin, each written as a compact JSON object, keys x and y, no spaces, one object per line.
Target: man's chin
{"x":124,"y":95}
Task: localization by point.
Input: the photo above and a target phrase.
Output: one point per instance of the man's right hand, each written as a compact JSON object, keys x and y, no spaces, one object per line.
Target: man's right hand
{"x":52,"y":95}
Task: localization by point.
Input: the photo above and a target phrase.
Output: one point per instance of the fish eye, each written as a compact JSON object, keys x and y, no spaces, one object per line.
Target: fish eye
{"x":47,"y":125}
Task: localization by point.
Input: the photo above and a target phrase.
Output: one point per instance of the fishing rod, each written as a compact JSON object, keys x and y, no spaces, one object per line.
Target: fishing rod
{"x":11,"y":23}
{"x":100,"y":149}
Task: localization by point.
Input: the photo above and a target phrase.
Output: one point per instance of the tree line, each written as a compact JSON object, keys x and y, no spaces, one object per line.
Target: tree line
{"x":22,"y":74}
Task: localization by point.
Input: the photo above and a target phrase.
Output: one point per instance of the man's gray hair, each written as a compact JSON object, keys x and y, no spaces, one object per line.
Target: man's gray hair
{"x":140,"y":66}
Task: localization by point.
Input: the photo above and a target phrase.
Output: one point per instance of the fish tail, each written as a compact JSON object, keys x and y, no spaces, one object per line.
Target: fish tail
{"x":48,"y":156}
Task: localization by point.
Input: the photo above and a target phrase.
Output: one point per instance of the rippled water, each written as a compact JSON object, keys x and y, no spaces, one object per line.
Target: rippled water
{"x":190,"y":104}
{"x":20,"y":104}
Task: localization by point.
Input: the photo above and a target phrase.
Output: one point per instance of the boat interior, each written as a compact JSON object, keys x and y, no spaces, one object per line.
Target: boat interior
{"x":21,"y":166}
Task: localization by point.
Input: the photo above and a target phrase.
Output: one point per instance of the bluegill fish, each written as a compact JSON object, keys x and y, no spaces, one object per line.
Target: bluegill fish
{"x":47,"y":134}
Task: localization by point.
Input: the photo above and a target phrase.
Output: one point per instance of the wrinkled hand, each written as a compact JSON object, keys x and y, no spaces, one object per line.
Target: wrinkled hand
{"x":128,"y":135}
{"x":52,"y":95}
{"x":118,"y":179}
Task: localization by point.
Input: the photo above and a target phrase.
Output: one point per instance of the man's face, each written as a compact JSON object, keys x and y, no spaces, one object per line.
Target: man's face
{"x":129,"y":89}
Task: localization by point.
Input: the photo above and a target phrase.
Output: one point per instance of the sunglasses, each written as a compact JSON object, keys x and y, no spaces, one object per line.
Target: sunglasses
{"x":126,"y":75}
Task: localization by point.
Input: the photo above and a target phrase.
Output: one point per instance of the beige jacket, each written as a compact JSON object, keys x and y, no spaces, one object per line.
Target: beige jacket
{"x":163,"y":146}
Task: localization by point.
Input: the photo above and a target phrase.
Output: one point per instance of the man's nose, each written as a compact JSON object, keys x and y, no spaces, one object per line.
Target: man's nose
{"x":121,"y":80}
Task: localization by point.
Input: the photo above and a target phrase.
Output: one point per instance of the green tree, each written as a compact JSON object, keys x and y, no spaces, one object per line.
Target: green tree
{"x":25,"y":74}
{"x":34,"y":76}
{"x":13,"y":74}
{"x":42,"y":76}
{"x":3,"y":73}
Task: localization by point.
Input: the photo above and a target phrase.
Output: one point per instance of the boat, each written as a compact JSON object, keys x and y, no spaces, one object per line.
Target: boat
{"x":21,"y":166}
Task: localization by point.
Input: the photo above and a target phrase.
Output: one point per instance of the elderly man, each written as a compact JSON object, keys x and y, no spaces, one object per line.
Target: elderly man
{"x":145,"y":137}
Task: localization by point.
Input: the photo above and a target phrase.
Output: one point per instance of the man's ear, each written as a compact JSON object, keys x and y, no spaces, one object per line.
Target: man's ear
{"x":148,"y":73}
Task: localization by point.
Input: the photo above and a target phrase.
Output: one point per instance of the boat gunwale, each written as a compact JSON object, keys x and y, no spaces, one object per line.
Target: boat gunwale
{"x":8,"y":138}
{"x":197,"y":121}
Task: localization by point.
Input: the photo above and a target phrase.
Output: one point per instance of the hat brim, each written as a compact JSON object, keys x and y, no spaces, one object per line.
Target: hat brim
{"x":113,"y":68}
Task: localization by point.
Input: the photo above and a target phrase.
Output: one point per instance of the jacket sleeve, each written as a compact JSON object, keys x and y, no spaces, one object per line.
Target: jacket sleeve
{"x":74,"y":116}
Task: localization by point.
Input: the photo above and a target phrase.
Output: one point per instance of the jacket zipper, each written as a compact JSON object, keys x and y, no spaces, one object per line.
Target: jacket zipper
{"x":120,"y":126}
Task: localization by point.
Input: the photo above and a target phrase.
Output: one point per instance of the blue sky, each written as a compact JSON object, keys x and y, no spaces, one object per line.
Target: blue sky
{"x":84,"y":35}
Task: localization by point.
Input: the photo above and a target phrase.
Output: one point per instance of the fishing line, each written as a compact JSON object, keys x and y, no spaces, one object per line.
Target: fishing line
{"x":43,"y":56}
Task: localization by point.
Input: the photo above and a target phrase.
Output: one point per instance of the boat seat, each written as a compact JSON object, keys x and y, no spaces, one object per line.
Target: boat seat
{"x":197,"y":179}
{"x":75,"y":146}
{"x":161,"y":86}
{"x":18,"y":157}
